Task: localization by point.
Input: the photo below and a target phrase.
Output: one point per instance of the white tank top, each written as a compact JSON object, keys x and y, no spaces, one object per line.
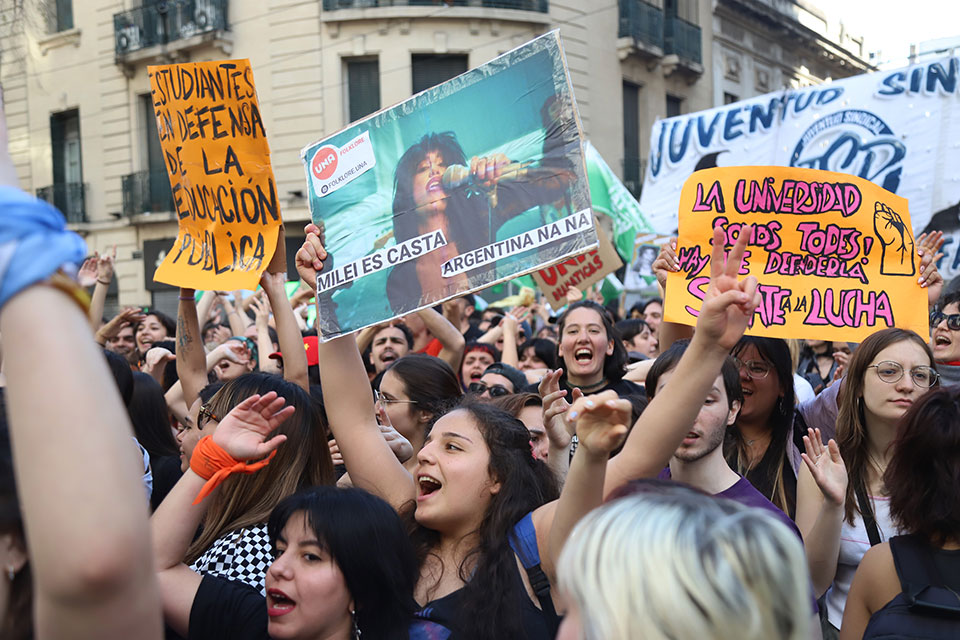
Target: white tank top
{"x":854,"y":542}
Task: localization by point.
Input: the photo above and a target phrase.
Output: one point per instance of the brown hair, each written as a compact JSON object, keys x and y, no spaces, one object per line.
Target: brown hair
{"x":302,"y":461}
{"x":923,"y":476}
{"x":514,"y":403}
{"x":851,"y":420}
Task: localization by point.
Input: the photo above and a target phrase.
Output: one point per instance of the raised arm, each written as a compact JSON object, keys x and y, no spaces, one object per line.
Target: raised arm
{"x":204,"y":306}
{"x":235,"y":316}
{"x":104,"y":266}
{"x":601,"y":423}
{"x":448,"y":335}
{"x":288,"y":333}
{"x":821,"y":489}
{"x":78,"y":480}
{"x":346,"y":390}
{"x":727,"y":308}
{"x":239,"y":436}
{"x":511,"y":323}
{"x":191,"y":360}
{"x":665,"y":263}
{"x":555,"y":408}
{"x":261,"y":310}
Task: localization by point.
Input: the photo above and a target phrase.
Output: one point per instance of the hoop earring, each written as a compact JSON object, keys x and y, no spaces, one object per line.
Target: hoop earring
{"x":356,"y":628}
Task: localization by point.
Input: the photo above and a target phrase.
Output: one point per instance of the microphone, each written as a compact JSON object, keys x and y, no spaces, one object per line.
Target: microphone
{"x":458,"y":175}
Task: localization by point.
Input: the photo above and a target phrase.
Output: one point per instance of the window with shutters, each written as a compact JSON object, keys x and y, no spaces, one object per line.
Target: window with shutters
{"x":433,"y":68}
{"x":363,"y":88}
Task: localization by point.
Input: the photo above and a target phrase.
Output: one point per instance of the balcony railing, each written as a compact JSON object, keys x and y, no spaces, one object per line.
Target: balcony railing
{"x":641,"y":21}
{"x":541,"y":6}
{"x":68,"y":197}
{"x":146,"y":192}
{"x":683,"y":39}
{"x":165,"y":21}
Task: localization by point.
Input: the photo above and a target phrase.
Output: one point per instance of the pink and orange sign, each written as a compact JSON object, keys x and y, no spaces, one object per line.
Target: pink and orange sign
{"x":834,"y":254}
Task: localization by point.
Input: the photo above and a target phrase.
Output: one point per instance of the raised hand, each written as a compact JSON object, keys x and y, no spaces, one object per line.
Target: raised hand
{"x":555,"y":406}
{"x":928,"y":247}
{"x":261,"y":310}
{"x":157,"y":357}
{"x":729,"y":302}
{"x":243,"y":432}
{"x":666,"y":262}
{"x":87,"y":276}
{"x":311,"y":255}
{"x":826,"y":466}
{"x":335,"y":456}
{"x":601,"y":422}
{"x":130,"y":315}
{"x":105,"y":266}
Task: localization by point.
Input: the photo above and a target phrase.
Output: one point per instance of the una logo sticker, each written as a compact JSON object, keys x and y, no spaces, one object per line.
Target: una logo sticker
{"x":333,"y":167}
{"x":852,"y":141}
{"x":325,"y":163}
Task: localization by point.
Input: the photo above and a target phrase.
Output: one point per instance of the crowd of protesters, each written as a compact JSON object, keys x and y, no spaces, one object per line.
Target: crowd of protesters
{"x":464,"y":472}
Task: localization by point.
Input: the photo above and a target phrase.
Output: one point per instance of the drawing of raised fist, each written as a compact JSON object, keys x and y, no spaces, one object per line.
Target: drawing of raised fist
{"x":896,"y":237}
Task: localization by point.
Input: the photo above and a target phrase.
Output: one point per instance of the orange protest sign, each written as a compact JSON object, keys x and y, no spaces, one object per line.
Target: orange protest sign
{"x":580,"y":271}
{"x":216,"y":152}
{"x":834,"y":254}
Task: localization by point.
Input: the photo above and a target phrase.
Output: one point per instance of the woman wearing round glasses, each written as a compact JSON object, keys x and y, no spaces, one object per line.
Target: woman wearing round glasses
{"x":764,"y":444}
{"x":842,"y":504}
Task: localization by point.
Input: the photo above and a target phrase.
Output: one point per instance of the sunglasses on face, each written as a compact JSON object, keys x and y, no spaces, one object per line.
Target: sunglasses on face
{"x":953,"y":320}
{"x":496,"y":390}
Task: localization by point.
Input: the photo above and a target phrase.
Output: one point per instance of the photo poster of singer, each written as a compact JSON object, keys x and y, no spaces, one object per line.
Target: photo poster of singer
{"x":465,"y":185}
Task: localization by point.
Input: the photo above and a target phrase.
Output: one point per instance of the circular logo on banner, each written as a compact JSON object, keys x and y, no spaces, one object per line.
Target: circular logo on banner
{"x":324,"y":163}
{"x":852,"y":141}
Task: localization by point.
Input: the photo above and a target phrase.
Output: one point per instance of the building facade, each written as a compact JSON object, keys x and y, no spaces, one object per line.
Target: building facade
{"x":767,"y":45}
{"x":83,"y":133}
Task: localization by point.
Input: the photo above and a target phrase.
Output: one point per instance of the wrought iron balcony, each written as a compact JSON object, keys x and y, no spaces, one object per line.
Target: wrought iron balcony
{"x":68,"y":197}
{"x":643,"y":22}
{"x":166,"y":21}
{"x":146,"y":192}
{"x":682,"y":38}
{"x":541,"y":6}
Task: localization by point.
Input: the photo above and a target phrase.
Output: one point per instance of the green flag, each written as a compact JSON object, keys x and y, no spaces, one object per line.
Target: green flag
{"x":609,"y":196}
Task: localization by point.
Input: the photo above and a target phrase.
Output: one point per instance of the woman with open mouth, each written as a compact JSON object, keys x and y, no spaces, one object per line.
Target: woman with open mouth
{"x":341,"y":565}
{"x":594,"y":357}
{"x":842,"y":503}
{"x":478,"y":502}
{"x":468,"y":212}
{"x":155,"y":327}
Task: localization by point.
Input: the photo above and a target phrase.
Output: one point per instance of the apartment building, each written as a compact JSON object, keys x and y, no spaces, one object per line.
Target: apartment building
{"x":83,"y":134}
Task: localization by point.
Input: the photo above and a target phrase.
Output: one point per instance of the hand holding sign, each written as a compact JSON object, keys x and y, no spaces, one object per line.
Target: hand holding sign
{"x":897,"y":241}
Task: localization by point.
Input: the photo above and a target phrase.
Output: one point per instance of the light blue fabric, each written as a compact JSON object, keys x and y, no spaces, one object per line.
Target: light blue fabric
{"x":34,"y":242}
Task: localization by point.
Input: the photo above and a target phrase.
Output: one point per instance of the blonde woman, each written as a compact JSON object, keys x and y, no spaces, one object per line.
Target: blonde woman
{"x":671,"y":562}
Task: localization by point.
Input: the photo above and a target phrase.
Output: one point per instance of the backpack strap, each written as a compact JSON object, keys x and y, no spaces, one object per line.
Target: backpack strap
{"x":920,"y":578}
{"x":866,"y":512}
{"x":523,"y":541}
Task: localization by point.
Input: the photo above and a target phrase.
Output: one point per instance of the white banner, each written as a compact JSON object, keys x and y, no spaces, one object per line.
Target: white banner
{"x":899,"y":129}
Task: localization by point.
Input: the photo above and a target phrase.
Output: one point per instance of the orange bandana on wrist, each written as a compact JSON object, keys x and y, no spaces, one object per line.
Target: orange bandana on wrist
{"x":213,"y":464}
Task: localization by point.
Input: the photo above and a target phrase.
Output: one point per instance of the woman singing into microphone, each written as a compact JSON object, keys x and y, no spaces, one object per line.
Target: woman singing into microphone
{"x":468,"y":209}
